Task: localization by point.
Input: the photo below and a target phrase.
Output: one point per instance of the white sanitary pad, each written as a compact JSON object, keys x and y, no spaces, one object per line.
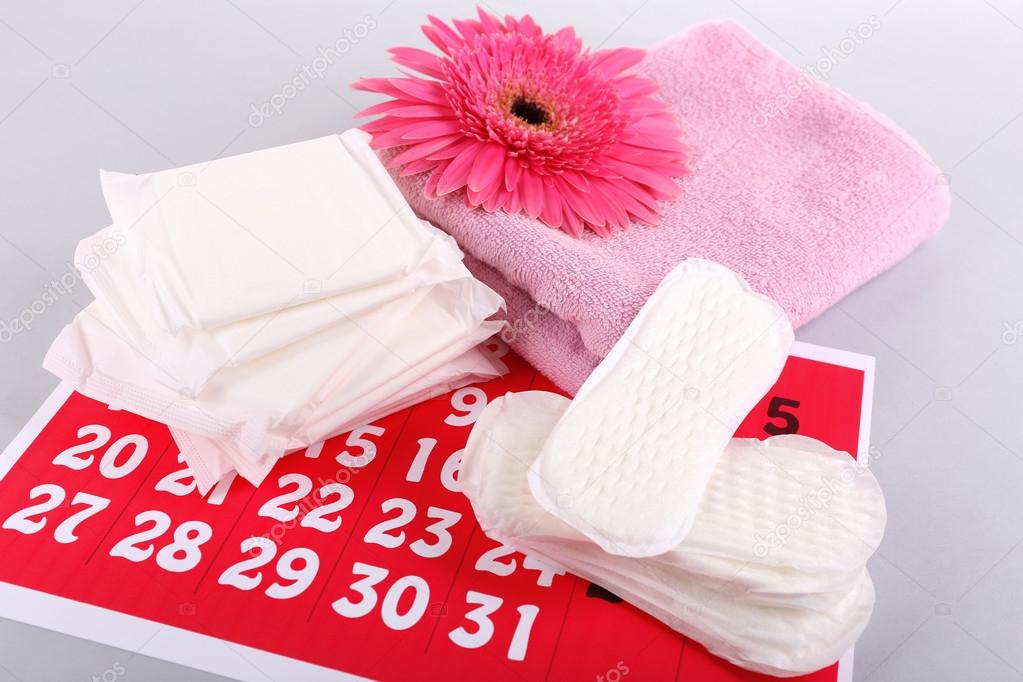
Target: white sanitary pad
{"x":263,"y":404}
{"x":768,"y":619}
{"x":242,"y":236}
{"x":211,"y":458}
{"x":187,"y":360}
{"x":261,"y":303}
{"x":781,"y":520}
{"x":777,"y":641}
{"x":628,"y":462}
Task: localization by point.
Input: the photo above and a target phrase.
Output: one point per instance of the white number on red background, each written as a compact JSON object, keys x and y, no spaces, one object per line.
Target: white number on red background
{"x":368,"y":597}
{"x":73,"y":458}
{"x":480,"y":616}
{"x":386,"y":533}
{"x":367,"y":448}
{"x":489,"y":562}
{"x":285,"y":507}
{"x":182,"y":554}
{"x":448,"y":473}
{"x":24,"y":522}
{"x":483,"y":631}
{"x":471,"y":401}
{"x":181,"y":483}
{"x":298,"y":565}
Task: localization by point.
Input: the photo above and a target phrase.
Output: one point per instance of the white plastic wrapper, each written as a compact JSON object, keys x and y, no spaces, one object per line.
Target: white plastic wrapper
{"x":261,"y":303}
{"x":212,"y":459}
{"x":263,"y":404}
{"x":247,"y":235}
{"x":186,"y":361}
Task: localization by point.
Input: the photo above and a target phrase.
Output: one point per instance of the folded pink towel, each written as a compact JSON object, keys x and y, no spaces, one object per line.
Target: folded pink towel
{"x":802,"y":190}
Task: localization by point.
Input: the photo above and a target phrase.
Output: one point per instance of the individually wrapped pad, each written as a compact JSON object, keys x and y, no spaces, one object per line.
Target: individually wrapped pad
{"x":774,"y":639}
{"x":211,"y":458}
{"x":263,"y":403}
{"x":247,"y":235}
{"x":185,"y":361}
{"x":697,"y":358}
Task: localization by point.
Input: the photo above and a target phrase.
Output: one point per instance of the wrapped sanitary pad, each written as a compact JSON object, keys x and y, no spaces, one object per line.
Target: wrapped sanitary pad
{"x":238,"y":361}
{"x":247,"y":235}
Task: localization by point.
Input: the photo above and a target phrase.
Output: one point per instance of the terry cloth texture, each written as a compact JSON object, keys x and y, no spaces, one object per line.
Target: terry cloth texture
{"x":799,"y":188}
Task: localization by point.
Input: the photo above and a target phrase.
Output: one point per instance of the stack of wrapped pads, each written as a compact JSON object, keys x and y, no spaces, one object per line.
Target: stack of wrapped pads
{"x":757,"y":549}
{"x":260,"y":303}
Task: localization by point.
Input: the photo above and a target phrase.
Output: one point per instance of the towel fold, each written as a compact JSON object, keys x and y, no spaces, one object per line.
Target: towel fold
{"x":802,"y":190}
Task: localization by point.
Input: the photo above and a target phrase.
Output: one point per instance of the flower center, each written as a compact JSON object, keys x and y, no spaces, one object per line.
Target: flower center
{"x":529,"y":111}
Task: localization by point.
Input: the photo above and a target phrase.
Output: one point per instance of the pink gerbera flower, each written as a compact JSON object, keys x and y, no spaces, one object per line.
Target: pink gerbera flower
{"x":531,"y":122}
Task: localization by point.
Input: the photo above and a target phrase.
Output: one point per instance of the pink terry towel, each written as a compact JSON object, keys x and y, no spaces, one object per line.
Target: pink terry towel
{"x":802,"y":190}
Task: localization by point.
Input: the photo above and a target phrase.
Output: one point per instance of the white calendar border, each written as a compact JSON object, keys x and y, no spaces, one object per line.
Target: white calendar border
{"x":237,"y":661}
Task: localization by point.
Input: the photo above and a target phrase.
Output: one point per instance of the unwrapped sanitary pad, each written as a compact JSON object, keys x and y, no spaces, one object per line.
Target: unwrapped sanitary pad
{"x":701,"y":353}
{"x":766,"y":611}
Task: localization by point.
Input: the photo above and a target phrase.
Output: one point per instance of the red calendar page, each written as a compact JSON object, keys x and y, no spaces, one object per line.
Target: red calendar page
{"x":358,"y":558}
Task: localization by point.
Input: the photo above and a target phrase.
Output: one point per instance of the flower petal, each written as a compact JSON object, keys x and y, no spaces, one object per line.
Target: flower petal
{"x":488,"y":166}
{"x":454,"y":150}
{"x":577,"y":180}
{"x":512,"y":171}
{"x":419,"y":88}
{"x":430,"y":188}
{"x":381,"y":108}
{"x":642,"y":175}
{"x":457,"y":171}
{"x":428,"y":129}
{"x":581,"y":204}
{"x":490,"y":23}
{"x":532,"y":193}
{"x":420,"y":150}
{"x":635,"y":86}
{"x":420,"y":60}
{"x":613,"y":62}
{"x":447,"y":40}
{"x":422,"y":111}
{"x":420,"y":166}
{"x":468,"y":28}
{"x":573,"y":223}
{"x":552,"y":213}
{"x":514,"y":203}
{"x":529,"y":27}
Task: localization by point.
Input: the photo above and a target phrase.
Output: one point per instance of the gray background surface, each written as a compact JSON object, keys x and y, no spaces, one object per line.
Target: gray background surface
{"x":137,"y":86}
